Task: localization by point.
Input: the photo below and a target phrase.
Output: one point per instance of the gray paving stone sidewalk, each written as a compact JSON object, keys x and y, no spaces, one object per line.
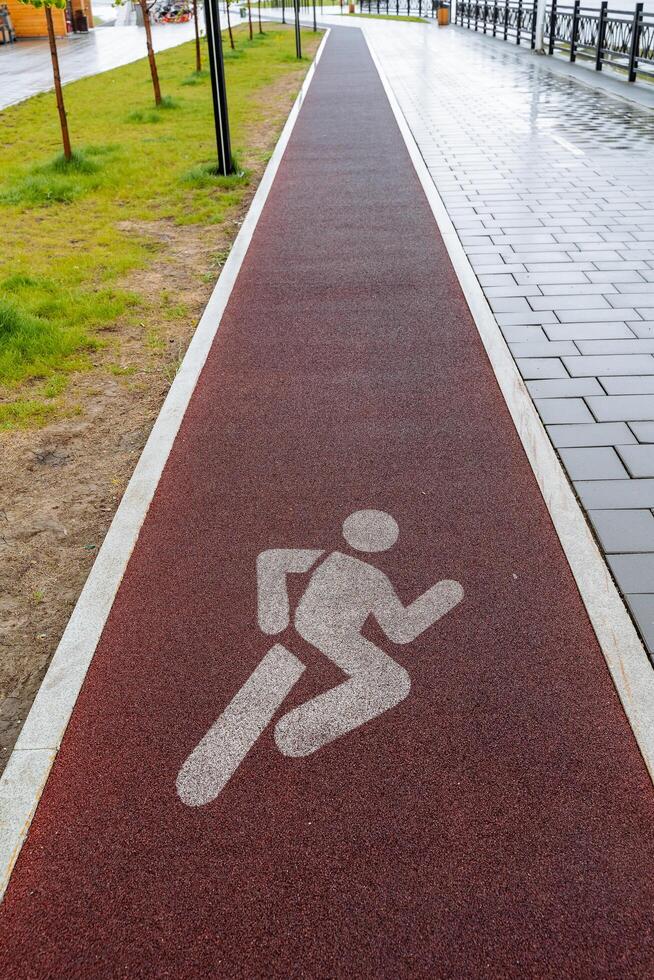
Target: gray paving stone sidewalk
{"x":550,"y":185}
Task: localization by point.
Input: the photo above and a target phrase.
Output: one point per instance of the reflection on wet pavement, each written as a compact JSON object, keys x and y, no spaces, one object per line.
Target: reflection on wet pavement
{"x":550,"y":186}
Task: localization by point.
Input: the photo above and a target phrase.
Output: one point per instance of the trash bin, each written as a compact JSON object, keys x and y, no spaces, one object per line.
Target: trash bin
{"x":81,"y":22}
{"x":443,"y":13}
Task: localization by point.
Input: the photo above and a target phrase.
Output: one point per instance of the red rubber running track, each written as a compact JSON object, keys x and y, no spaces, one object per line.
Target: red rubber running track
{"x":498,"y":821}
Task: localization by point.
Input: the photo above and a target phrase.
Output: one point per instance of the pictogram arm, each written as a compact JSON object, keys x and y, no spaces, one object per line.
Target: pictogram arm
{"x":402,"y":624}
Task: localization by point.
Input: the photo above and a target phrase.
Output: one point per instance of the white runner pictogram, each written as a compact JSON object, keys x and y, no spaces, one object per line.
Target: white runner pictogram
{"x":343,"y":592}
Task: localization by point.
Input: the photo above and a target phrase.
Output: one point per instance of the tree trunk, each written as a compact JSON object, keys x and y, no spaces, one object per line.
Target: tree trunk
{"x":250,"y":18}
{"x":153,"y":64}
{"x":198,"y":55}
{"x":259,"y":12}
{"x":229,"y":27}
{"x":65,"y":138}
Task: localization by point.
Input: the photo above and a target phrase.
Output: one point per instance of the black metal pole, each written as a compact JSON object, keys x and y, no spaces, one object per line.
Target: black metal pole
{"x":601,"y":34}
{"x":298,"y":39}
{"x":576,"y":14}
{"x":552,"y":40}
{"x":217,"y":70}
{"x":634,"y":48}
{"x":315,"y":26}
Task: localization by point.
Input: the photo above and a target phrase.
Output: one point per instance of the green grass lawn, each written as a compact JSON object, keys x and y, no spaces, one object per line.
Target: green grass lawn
{"x":72,"y":235}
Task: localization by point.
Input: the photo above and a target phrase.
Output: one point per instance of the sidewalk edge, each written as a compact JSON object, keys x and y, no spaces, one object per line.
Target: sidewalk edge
{"x":31,"y":760}
{"x":621,"y":646}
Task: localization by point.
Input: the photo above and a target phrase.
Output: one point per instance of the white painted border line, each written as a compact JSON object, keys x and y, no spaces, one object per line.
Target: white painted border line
{"x":29,"y":765}
{"x":623,"y":651}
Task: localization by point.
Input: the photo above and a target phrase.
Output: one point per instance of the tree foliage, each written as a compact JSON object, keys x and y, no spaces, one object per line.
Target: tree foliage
{"x":60,"y":4}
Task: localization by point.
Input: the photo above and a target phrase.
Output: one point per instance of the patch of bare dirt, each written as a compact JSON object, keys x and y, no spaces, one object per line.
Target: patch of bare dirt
{"x":60,"y":485}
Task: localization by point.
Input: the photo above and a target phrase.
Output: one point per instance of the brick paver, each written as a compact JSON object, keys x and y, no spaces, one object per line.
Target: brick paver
{"x":549,"y":185}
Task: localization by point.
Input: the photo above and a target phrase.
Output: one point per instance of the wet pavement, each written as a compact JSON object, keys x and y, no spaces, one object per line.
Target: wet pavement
{"x":549,"y":185}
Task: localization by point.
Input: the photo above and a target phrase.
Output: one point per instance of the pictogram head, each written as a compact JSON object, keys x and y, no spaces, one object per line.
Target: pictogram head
{"x":370,"y":530}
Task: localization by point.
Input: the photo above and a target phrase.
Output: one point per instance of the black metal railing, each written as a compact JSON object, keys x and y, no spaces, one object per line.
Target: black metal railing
{"x":622,"y":40}
{"x":510,"y":21}
{"x":399,"y":8}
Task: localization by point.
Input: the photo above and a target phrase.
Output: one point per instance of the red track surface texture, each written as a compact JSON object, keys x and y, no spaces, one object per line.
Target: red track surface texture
{"x":497,"y":822}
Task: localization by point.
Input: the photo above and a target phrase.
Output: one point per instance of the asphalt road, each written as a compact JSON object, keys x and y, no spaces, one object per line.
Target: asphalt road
{"x":491,"y":815}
